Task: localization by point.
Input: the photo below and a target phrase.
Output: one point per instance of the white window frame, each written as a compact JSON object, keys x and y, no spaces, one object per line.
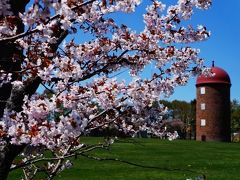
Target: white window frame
{"x":203,"y":106}
{"x":202,"y":90}
{"x":203,"y":122}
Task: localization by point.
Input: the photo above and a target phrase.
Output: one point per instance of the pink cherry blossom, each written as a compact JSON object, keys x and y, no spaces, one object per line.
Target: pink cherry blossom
{"x":82,"y":91}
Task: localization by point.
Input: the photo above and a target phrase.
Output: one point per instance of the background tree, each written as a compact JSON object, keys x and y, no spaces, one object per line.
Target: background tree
{"x":185,"y":112}
{"x":235,"y":116}
{"x":78,"y":74}
{"x":193,"y":119}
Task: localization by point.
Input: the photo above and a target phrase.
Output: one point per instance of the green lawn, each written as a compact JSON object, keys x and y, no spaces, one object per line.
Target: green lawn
{"x":175,"y":160}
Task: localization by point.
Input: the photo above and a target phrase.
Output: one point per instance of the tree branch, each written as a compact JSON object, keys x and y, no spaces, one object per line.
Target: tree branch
{"x":72,"y":154}
{"x":29,"y":32}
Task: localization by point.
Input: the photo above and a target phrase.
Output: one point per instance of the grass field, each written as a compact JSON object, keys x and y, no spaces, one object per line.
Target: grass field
{"x":175,"y":160}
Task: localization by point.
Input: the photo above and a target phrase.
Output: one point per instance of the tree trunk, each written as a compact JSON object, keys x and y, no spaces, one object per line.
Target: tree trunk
{"x":7,"y":51}
{"x":12,"y":98}
{"x":8,"y":153}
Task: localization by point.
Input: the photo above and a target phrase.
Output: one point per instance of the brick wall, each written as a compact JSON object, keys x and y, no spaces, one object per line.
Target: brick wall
{"x":216,"y":113}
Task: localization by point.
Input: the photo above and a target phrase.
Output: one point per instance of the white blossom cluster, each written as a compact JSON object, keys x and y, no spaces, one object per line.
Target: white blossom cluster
{"x":78,"y":76}
{"x":5,"y":8}
{"x":4,"y":77}
{"x":7,"y":30}
{"x":75,"y":63}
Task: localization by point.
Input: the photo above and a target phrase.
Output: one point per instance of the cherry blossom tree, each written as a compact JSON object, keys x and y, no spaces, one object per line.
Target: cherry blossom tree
{"x":37,"y":51}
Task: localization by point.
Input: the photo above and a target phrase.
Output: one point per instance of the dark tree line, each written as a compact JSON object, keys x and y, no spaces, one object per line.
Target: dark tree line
{"x":235,"y":116}
{"x":186,"y":112}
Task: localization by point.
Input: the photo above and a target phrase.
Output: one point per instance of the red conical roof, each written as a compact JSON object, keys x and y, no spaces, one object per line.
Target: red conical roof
{"x":220,"y":76}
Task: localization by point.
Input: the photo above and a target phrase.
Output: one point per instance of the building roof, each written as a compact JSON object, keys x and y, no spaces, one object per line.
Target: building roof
{"x":219,"y":77}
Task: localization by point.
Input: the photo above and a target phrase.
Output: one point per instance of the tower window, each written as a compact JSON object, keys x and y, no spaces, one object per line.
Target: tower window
{"x":202,"y":90}
{"x":203,"y":106}
{"x":203,"y":122}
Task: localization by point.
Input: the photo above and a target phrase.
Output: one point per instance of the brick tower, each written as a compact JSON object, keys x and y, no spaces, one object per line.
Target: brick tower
{"x":213,"y":106}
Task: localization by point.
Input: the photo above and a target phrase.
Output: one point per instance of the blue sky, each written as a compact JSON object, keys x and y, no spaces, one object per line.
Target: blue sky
{"x":223,"y":20}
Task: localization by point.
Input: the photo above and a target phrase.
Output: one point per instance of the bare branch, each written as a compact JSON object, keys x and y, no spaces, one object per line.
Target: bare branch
{"x":50,"y":90}
{"x":67,"y":155}
{"x":106,"y":123}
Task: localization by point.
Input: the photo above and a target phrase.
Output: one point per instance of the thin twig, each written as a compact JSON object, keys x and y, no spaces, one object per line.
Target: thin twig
{"x":72,"y":154}
{"x":50,"y":90}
